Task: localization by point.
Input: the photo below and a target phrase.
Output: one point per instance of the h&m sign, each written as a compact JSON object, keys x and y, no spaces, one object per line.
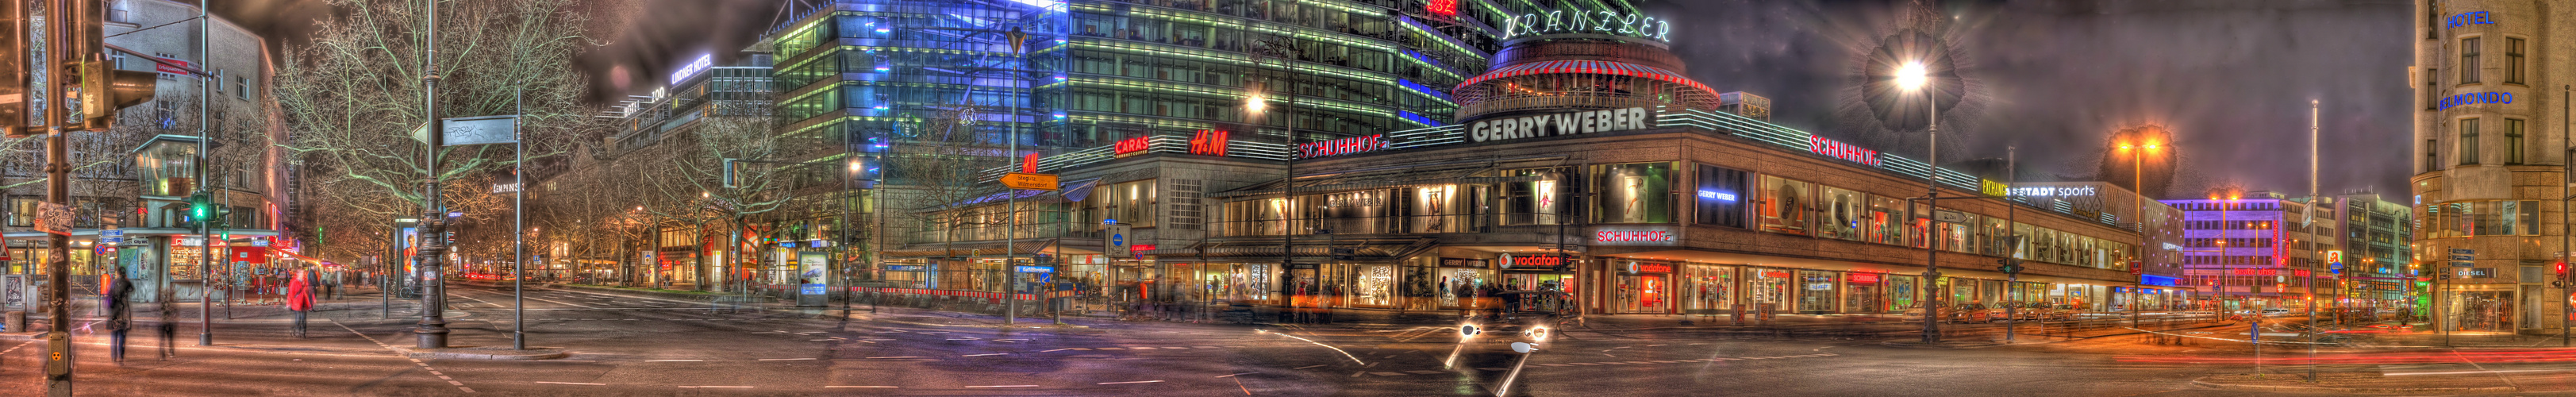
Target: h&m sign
{"x":1573,"y":123}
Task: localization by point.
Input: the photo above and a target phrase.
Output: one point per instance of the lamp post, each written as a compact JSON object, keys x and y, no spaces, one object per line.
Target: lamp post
{"x":2137,"y":180}
{"x":1914,"y":77}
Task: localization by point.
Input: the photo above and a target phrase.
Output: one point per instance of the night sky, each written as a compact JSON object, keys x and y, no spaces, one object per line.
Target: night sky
{"x":2231,"y":78}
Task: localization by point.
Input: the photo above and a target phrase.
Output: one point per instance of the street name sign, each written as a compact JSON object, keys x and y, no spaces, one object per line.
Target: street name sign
{"x":1028,"y":181}
{"x":463,"y":131}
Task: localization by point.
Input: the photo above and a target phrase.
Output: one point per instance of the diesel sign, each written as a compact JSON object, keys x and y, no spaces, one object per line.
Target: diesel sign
{"x":1574,"y":123}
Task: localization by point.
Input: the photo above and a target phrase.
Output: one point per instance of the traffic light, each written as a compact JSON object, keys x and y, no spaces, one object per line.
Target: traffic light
{"x":222,"y":217}
{"x":198,"y":208}
{"x":2562,"y":269}
{"x":102,"y":89}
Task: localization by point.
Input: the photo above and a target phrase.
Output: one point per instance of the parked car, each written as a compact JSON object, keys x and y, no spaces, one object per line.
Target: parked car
{"x":1530,"y":316}
{"x":1975,"y":313}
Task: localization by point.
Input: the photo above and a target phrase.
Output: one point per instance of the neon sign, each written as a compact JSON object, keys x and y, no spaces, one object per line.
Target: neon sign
{"x":692,"y":68}
{"x":1337,"y":147}
{"x":1598,"y":22}
{"x":1208,"y":142}
{"x":2468,"y":18}
{"x":2477,"y":98}
{"x":1572,"y":123}
{"x":2053,"y":191}
{"x":1131,"y":145}
{"x":1446,"y":8}
{"x":1636,"y":236}
{"x":1840,"y":150}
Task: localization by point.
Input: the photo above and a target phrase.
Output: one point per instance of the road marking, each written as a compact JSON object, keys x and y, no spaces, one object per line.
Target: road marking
{"x":372,"y":339}
{"x":988,"y":354}
{"x":861,"y":387}
{"x":673,"y":361}
{"x":1310,"y":366}
{"x":786,"y":359}
{"x":715,"y":387}
{"x":1056,"y":350}
{"x":1656,"y":345}
{"x":1123,"y":383}
{"x":898,"y":357}
{"x":571,"y":383}
{"x":977,"y":387}
{"x":1238,"y":373}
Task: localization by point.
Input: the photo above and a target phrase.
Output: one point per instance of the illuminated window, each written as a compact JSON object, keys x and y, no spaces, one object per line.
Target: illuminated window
{"x":2468,"y":141}
{"x":2469,"y":60}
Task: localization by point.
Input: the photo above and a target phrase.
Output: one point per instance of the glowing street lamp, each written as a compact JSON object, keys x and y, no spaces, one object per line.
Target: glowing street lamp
{"x":1914,"y":78}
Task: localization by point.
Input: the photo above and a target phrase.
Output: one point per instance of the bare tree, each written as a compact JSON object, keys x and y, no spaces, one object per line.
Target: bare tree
{"x":353,"y":98}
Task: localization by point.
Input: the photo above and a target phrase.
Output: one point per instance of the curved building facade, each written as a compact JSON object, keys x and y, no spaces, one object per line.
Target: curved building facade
{"x":1569,"y":71}
{"x":2489,"y":161}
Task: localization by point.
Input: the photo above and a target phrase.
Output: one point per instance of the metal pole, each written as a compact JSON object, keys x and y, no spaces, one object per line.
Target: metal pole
{"x":205,"y":250}
{"x":1011,"y":227}
{"x":432,"y":332}
{"x":2011,"y":239}
{"x":2565,"y":158}
{"x":2138,"y":180}
{"x":58,"y":337}
{"x":1932,"y":203}
{"x":2307,"y":222}
{"x":519,"y":222}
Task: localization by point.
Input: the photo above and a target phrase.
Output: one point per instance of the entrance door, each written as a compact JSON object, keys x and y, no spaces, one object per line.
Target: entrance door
{"x":1643,"y":294}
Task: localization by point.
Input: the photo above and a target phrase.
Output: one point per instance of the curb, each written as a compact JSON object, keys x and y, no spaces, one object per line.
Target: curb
{"x":1901,"y":343}
{"x":484,"y":353}
{"x":2204,"y":383}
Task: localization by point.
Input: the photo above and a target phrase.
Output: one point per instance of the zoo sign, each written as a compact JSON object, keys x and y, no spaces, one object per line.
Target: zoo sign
{"x":1596,"y":22}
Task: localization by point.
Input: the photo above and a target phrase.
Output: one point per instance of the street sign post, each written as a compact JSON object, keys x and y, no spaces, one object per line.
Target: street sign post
{"x":1028,"y":181}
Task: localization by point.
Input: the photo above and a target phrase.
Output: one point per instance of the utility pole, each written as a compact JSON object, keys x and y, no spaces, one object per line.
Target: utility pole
{"x":518,"y":221}
{"x":2308,"y":222}
{"x":205,"y":237}
{"x":1011,"y":227}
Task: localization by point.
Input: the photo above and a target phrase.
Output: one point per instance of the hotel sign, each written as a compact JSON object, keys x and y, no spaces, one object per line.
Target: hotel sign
{"x":1572,"y":123}
{"x":1840,"y":150}
{"x":1595,"y":22}
{"x":692,"y":69}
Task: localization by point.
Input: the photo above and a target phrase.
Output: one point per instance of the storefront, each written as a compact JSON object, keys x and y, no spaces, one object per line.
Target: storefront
{"x":1643,"y":288}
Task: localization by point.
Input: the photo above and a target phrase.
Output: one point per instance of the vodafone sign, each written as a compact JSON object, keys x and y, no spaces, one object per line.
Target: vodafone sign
{"x":1636,"y":236}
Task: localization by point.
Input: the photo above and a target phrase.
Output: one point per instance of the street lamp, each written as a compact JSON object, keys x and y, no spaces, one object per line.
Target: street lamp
{"x":1912,"y":77}
{"x":2137,"y":180}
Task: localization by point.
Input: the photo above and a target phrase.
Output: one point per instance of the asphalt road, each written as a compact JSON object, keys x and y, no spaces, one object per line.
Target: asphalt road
{"x":635,"y":346}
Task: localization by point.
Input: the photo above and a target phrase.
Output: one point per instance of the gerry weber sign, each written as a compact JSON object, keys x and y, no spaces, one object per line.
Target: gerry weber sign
{"x":1575,"y":123}
{"x":1635,"y":235}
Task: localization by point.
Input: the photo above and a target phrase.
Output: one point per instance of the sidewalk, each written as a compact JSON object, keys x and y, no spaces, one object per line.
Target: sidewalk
{"x":2357,"y":382}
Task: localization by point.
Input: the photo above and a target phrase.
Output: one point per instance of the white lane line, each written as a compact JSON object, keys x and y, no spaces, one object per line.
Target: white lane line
{"x":715,"y":387}
{"x":818,"y":340}
{"x":1123,"y":383}
{"x":978,"y":387}
{"x":572,"y":383}
{"x":988,"y":354}
{"x":786,"y":359}
{"x":860,"y":387}
{"x":898,"y":357}
{"x":673,"y":361}
{"x":1238,"y":373}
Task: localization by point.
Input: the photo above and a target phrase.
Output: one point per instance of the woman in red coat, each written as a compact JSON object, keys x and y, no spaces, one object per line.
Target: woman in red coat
{"x":299,"y":298}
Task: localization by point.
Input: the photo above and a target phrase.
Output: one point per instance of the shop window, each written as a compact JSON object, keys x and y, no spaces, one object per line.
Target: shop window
{"x":1844,"y":214}
{"x":1955,"y":236}
{"x":1720,"y":197}
{"x":1784,"y":205}
{"x":2021,"y":249}
{"x":1533,"y":202}
{"x":1131,"y":203}
{"x":1708,"y":288}
{"x":1360,"y":212}
{"x":1816,"y":291}
{"x":2483,"y":218}
{"x":1434,"y":209}
{"x":1886,"y":220}
{"x":1994,"y":237}
{"x":1633,"y":193}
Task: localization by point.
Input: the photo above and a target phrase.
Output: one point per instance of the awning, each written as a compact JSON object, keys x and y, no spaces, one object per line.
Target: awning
{"x":1382,"y":179}
{"x":1079,"y":190}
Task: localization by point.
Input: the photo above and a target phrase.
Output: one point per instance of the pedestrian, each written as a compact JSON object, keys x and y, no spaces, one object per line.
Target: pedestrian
{"x":299,"y":298}
{"x":119,"y":319}
{"x":169,"y":323}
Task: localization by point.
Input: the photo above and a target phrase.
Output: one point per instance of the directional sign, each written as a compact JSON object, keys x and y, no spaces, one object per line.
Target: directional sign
{"x":2464,"y":251}
{"x":1033,"y":269}
{"x":1027,"y":181}
{"x":2462,"y":264}
{"x":462,"y":131}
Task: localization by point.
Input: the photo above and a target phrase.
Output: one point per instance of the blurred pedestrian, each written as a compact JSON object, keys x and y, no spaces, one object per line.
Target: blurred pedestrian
{"x":119,"y":317}
{"x":299,"y":298}
{"x":169,"y":323}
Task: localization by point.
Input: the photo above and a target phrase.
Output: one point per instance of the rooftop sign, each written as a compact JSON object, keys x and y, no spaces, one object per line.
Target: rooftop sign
{"x":692,"y":69}
{"x":1837,"y":149}
{"x":1595,"y":22}
{"x":1573,"y":123}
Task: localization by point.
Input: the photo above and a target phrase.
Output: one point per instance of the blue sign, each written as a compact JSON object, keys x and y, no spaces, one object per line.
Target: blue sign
{"x":1033,"y":269}
{"x":1117,"y":239}
{"x":787,"y":244}
{"x":813,"y":289}
{"x":2468,"y":18}
{"x":904,"y":268}
{"x":2477,"y":98}
{"x":2337,"y":267}
{"x":2150,"y":279}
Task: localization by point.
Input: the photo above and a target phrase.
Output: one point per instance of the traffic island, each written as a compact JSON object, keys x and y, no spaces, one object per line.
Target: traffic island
{"x":498,"y":353}
{"x":2354,"y":383}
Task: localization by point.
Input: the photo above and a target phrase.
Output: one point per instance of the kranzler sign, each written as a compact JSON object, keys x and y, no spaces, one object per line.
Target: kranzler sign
{"x":1573,"y":123}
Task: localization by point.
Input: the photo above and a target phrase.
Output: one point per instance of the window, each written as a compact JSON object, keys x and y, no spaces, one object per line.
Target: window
{"x":2468,"y":141}
{"x":1533,"y":202}
{"x":1720,"y":197}
{"x":2432,"y":162}
{"x":120,"y":11}
{"x":2513,"y":60}
{"x":1633,"y":193}
{"x":218,"y":84}
{"x":1843,"y":214}
{"x":241,"y":87}
{"x":2469,"y":60}
{"x":2513,"y":141}
{"x":1886,"y":220}
{"x":1784,"y":205}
